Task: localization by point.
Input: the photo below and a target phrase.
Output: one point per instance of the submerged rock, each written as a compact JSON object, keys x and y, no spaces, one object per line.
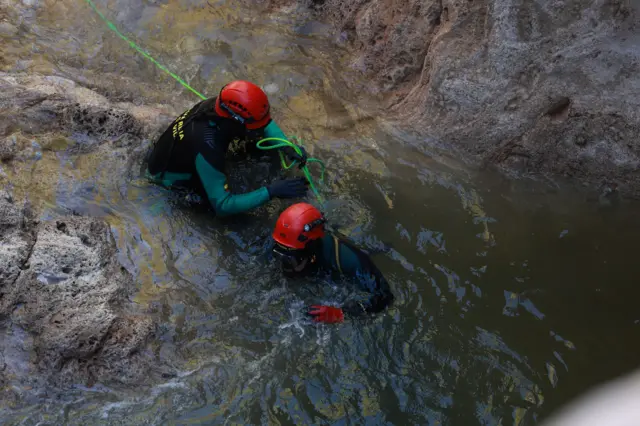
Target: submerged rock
{"x":63,"y":291}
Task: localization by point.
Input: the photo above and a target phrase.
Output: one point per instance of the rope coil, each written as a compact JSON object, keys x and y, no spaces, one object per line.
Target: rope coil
{"x":284,"y":143}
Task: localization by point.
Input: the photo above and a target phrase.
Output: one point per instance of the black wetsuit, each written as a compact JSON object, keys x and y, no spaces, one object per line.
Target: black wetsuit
{"x":334,"y":254}
{"x":191,"y":153}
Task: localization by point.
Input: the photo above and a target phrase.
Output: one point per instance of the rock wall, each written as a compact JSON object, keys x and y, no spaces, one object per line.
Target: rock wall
{"x":543,"y":86}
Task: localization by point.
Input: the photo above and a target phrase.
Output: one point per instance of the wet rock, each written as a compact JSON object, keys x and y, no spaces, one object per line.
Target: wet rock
{"x":8,"y":148}
{"x":35,"y":104}
{"x":70,"y":305}
{"x":6,"y":29}
{"x":534,"y":86}
{"x":44,"y":115}
{"x":65,"y":315}
{"x":16,"y":237}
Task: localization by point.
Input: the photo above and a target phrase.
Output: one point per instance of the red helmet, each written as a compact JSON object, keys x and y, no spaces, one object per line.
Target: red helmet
{"x":245,"y":102}
{"x":298,"y":225}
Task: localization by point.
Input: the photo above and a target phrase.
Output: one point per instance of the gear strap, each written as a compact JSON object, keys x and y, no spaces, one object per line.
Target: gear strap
{"x":336,"y":245}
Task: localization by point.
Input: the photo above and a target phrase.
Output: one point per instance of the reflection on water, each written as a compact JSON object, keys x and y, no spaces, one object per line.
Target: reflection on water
{"x":510,"y":298}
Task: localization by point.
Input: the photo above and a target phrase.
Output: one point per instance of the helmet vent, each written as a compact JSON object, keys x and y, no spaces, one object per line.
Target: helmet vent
{"x":237,"y":105}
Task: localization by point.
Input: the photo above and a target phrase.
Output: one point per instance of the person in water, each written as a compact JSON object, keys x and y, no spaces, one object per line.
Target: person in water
{"x":303,"y":246}
{"x":191,"y":152}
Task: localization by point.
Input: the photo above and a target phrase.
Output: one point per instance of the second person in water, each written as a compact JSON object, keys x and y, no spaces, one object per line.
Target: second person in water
{"x":303,"y":247}
{"x":191,"y":152}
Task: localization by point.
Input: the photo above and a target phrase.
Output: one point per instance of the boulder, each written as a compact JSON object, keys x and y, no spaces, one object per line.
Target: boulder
{"x":62,"y":289}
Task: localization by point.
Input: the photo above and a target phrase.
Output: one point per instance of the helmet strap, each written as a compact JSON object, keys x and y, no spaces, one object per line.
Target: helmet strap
{"x":232,"y":113}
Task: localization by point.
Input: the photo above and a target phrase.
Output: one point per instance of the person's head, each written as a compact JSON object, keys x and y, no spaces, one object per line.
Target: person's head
{"x":244,"y":102}
{"x":297,"y":228}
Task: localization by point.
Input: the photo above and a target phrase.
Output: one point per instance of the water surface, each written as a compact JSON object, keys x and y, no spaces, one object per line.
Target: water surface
{"x":511,"y":297}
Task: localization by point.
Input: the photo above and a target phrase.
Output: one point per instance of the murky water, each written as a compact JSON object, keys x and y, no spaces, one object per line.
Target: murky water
{"x":511,"y":297}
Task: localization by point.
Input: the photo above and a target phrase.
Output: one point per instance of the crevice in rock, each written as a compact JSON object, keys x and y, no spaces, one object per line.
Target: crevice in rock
{"x":502,"y":152}
{"x":99,"y":347}
{"x":25,"y":265}
{"x":62,"y":227}
{"x":34,"y":102}
{"x":559,"y":109}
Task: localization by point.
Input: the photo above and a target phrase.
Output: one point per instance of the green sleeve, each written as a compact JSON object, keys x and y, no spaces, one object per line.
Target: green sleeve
{"x":221,"y":199}
{"x":274,"y":131}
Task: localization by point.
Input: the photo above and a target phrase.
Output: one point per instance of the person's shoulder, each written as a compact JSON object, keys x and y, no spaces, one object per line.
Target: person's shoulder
{"x":346,"y":242}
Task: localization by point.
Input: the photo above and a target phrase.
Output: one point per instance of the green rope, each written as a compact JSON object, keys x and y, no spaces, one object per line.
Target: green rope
{"x":283,"y":142}
{"x":137,"y":48}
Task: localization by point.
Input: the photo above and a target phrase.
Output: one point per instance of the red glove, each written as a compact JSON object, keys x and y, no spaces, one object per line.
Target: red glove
{"x":327,"y":314}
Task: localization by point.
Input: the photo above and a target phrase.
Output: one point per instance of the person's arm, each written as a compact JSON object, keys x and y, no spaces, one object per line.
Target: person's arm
{"x":354,"y":263}
{"x":274,"y":131}
{"x":224,"y":202}
{"x":370,"y":279}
